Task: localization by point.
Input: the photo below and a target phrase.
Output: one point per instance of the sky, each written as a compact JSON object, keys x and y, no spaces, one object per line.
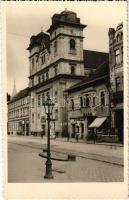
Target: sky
{"x":24,"y":19}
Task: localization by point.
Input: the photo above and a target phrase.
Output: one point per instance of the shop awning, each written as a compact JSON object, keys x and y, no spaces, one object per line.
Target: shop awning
{"x":97,"y":122}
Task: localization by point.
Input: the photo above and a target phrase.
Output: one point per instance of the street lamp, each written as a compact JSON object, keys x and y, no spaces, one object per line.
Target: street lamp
{"x":48,"y":106}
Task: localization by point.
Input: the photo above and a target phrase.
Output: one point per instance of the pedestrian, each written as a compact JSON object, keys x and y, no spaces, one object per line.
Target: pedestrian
{"x":77,"y":136}
{"x":67,"y":137}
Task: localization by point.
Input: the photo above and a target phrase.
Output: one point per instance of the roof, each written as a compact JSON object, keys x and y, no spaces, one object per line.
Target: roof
{"x":100,"y":75}
{"x":65,"y":17}
{"x":21,"y":94}
{"x":36,"y":40}
{"x":92,"y":59}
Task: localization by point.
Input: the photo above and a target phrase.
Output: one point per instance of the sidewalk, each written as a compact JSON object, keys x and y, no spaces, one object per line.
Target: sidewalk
{"x":106,"y":153}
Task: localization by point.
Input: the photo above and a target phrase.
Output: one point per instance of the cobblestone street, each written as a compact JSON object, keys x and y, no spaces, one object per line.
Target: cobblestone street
{"x":24,"y":164}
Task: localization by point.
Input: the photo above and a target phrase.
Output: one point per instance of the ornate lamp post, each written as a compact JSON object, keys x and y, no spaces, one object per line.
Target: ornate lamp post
{"x":48,"y":106}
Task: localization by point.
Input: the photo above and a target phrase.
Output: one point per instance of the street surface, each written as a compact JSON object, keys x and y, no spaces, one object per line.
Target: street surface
{"x":94,"y":163}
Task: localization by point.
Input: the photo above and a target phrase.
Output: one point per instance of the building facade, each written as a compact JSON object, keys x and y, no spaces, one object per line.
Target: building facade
{"x":116,"y":78}
{"x":88,"y":101}
{"x":56,"y":63}
{"x":18,"y":113}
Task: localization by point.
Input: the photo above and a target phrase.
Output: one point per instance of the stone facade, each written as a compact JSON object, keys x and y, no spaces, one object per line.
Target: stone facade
{"x":18,"y":113}
{"x":56,"y":63}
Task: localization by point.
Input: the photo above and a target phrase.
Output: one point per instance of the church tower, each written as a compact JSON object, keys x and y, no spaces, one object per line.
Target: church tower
{"x":66,"y":36}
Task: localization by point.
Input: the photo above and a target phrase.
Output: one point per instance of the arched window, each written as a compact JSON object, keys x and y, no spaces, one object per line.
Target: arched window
{"x":73,"y":70}
{"x":72,"y":44}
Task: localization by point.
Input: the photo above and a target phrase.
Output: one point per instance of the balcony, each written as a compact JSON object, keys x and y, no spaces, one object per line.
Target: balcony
{"x":100,"y":111}
{"x":117,"y":97}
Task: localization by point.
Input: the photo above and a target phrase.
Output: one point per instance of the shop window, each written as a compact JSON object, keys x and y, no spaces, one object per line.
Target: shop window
{"x":102,"y":98}
{"x":72,"y":44}
{"x":82,"y":127}
{"x":117,"y":83}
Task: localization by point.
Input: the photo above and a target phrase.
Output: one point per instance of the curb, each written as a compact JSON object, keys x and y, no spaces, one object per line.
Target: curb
{"x":90,"y":156}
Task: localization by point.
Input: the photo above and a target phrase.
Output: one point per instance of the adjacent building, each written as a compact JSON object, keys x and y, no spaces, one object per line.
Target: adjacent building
{"x":19,"y":113}
{"x":116,"y":78}
{"x":88,"y":104}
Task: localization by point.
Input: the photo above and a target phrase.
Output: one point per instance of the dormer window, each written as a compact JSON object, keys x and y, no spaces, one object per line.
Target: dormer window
{"x":43,"y":59}
{"x":72,"y":44}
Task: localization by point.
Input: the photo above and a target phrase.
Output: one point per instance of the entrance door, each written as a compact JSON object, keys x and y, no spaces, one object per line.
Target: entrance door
{"x":119,"y":124}
{"x":27,"y":129}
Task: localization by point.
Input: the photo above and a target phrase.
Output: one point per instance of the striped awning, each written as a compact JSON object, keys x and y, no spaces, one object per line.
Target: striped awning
{"x":97,"y":122}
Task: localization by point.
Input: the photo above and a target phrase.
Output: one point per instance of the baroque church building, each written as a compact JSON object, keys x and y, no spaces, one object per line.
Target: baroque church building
{"x":56,"y":63}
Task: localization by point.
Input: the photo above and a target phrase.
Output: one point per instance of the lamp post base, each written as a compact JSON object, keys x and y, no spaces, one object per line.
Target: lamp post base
{"x":48,"y":174}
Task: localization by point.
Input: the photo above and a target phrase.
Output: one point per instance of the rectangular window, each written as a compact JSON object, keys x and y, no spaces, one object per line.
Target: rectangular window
{"x":32,"y":63}
{"x":43,"y":98}
{"x":117,"y":56}
{"x":47,"y":76}
{"x":48,"y":95}
{"x":121,"y":54}
{"x":32,"y":81}
{"x":39,"y":100}
{"x":72,"y":104}
{"x":81,"y":101}
{"x":55,"y":46}
{"x":56,"y":96}
{"x":39,"y":79}
{"x":56,"y":70}
{"x":38,"y":115}
{"x":117,"y":83}
{"x":87,"y":100}
{"x":102,"y":98}
{"x":32,"y":117}
{"x":93,"y":101}
{"x":33,"y":103}
{"x":56,"y":114}
{"x":43,"y":78}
